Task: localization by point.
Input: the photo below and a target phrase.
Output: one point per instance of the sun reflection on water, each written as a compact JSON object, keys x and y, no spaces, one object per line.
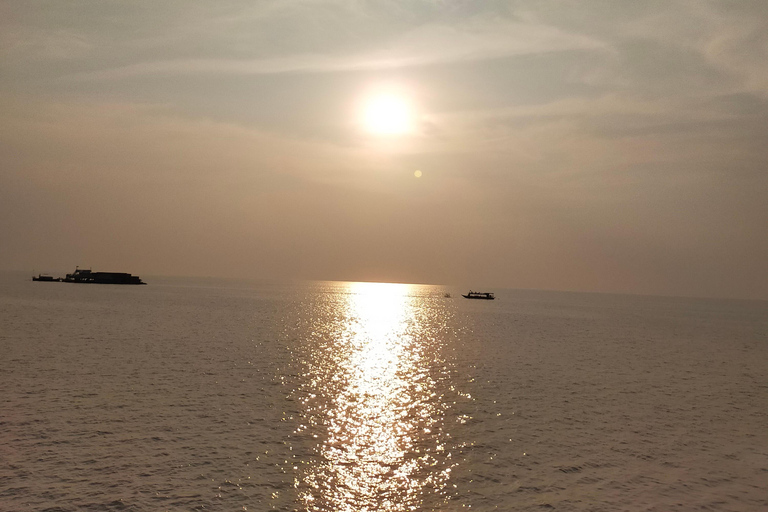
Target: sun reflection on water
{"x":371,"y":403}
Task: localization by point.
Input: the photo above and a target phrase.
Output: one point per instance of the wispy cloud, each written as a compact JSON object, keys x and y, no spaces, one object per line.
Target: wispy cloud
{"x":26,"y":42}
{"x":423,"y":45}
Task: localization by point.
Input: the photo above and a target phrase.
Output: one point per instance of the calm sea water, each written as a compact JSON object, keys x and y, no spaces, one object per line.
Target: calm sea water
{"x":225,"y":395}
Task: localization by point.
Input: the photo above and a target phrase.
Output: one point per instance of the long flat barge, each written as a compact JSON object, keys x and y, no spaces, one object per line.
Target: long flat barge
{"x":90,"y":277}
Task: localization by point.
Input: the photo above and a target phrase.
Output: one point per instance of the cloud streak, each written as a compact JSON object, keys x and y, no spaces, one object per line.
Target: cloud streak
{"x":427,"y":45}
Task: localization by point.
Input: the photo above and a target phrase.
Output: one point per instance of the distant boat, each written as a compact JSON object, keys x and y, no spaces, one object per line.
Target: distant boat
{"x":447,"y":295}
{"x":87,"y":276}
{"x":479,"y":295}
{"x":46,"y":278}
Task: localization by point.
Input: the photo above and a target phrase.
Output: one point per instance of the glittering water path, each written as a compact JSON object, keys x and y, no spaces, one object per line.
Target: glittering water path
{"x":375,"y":395}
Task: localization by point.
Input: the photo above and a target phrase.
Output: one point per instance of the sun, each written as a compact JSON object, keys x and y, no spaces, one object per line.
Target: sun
{"x":388,"y":114}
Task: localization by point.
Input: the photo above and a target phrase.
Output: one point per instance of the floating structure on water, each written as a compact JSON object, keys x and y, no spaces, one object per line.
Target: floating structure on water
{"x":88,"y":276}
{"x":479,"y":295}
{"x":46,"y":278}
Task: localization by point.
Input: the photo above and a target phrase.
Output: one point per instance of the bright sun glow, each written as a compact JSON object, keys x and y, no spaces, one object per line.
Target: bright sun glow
{"x":388,"y":114}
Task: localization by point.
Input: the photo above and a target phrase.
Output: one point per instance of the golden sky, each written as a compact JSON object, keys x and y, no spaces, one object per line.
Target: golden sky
{"x":597,"y":145}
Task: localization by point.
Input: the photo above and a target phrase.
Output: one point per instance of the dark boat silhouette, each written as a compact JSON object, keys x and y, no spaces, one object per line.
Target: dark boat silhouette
{"x":88,"y":276}
{"x":479,"y":295}
{"x":46,"y":278}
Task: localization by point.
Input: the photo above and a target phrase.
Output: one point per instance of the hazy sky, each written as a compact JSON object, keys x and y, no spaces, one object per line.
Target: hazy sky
{"x":575,"y":145}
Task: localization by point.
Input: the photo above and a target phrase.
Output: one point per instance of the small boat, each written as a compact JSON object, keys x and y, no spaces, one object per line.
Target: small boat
{"x":478,"y":295}
{"x":46,"y":278}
